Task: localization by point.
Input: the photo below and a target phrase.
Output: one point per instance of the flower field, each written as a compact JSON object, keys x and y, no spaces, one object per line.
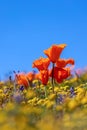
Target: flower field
{"x":54,"y":98}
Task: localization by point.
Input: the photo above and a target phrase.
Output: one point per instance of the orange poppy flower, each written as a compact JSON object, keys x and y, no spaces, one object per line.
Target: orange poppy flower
{"x":61,"y":63}
{"x":30,"y":76}
{"x":22,"y":80}
{"x":54,"y":52}
{"x":60,"y":74}
{"x":41,"y":63}
{"x":43,"y":76}
{"x":38,"y":76}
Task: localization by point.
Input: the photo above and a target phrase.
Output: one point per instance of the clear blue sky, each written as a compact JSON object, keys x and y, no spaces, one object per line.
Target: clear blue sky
{"x":27,"y":27}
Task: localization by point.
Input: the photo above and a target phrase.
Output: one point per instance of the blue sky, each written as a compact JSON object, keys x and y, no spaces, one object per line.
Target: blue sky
{"x":27,"y":27}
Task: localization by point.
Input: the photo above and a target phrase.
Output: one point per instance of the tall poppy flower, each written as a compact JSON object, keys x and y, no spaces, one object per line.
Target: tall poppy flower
{"x":61,"y":63}
{"x":60,"y":74}
{"x":54,"y":52}
{"x":43,"y":76}
{"x":41,"y":63}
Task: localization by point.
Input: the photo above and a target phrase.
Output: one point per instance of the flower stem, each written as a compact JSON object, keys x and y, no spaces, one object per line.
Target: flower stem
{"x":45,"y":87}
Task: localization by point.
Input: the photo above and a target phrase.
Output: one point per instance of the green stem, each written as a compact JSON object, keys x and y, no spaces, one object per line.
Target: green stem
{"x":45,"y":87}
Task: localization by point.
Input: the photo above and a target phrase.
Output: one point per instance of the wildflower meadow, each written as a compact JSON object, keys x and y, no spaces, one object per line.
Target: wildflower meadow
{"x":53,"y":98}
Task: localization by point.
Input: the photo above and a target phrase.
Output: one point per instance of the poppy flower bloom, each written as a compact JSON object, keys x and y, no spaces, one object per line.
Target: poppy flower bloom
{"x":22,"y":80}
{"x":54,"y":52}
{"x":60,"y":74}
{"x":38,"y":76}
{"x":61,"y":63}
{"x":43,"y":76}
{"x":30,"y":76}
{"x":41,"y":63}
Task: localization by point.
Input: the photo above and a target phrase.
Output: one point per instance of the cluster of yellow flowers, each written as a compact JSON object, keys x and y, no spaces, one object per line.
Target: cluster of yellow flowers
{"x":32,"y":109}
